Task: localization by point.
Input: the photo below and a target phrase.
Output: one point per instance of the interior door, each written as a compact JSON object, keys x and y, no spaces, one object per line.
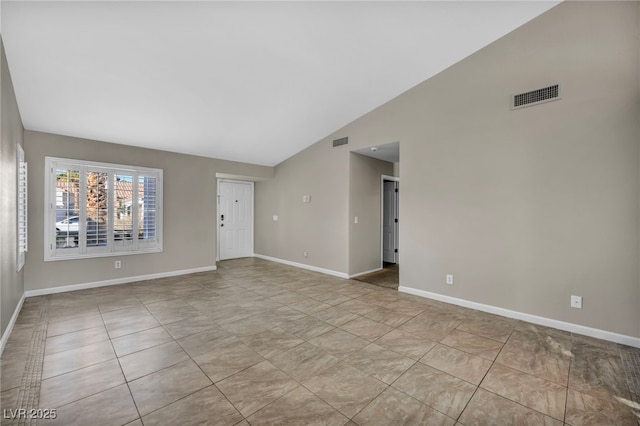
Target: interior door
{"x":390,"y":221}
{"x":235,"y":219}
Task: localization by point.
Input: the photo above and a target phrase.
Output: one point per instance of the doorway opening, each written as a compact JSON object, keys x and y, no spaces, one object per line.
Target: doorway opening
{"x":390,"y":221}
{"x":234,"y":219}
{"x":389,"y":274}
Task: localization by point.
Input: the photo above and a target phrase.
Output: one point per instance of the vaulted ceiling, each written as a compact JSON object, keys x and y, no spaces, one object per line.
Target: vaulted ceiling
{"x":245,"y":81}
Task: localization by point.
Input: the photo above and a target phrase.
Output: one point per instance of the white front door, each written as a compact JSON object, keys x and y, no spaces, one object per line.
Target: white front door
{"x":390,"y":221}
{"x":235,"y":219}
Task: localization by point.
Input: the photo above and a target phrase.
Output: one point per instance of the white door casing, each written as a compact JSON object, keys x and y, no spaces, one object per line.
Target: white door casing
{"x":390,"y":221}
{"x":235,"y":219}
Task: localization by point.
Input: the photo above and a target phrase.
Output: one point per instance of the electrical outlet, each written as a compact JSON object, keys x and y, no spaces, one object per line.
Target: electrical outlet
{"x":275,"y":217}
{"x":449,"y":279}
{"x":118,"y":264}
{"x":305,"y":254}
{"x":355,"y":219}
{"x":576,"y":302}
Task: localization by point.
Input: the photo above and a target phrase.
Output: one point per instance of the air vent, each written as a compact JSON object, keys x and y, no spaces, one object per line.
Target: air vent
{"x":535,"y":97}
{"x":341,"y":141}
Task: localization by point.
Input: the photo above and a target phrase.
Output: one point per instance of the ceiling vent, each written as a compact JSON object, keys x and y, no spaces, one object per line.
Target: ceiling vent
{"x":341,"y":141}
{"x":535,"y":97}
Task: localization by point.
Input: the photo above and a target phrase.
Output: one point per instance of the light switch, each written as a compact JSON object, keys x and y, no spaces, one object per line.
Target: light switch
{"x":275,"y":217}
{"x":306,"y":198}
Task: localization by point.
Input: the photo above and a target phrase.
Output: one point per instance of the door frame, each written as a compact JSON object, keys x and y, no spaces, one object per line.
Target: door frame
{"x":218,"y":221}
{"x":384,"y":178}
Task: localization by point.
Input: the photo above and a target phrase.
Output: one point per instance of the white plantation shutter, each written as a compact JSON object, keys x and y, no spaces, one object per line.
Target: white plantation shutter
{"x":22,"y":207}
{"x":101,"y":209}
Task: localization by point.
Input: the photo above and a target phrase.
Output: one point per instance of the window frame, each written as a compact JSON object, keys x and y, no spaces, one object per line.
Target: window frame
{"x":82,"y":251}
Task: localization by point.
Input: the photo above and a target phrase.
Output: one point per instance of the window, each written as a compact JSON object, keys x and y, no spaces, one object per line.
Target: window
{"x":21,"y":167}
{"x":101,"y":209}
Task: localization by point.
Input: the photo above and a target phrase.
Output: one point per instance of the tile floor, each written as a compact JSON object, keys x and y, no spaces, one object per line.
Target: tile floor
{"x":258,"y":343}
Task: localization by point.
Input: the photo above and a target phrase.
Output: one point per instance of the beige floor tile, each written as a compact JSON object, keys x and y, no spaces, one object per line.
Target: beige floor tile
{"x":74,"y":324}
{"x":489,"y":326}
{"x":229,"y":357}
{"x":542,"y":355}
{"x":303,"y":361}
{"x":357,"y":307}
{"x":190,"y":326}
{"x":309,"y":306}
{"x":381,"y":363}
{"x":271,"y":342}
{"x":248,"y":326}
{"x":307,"y":327}
{"x":282,"y":315}
{"x":72,"y":311}
{"x":166,"y":386}
{"x":119,"y":303}
{"x":150,"y":360}
{"x":541,"y":329}
{"x":75,"y":359}
{"x":298,"y":407}
{"x":205,"y":341}
{"x":457,"y":363}
{"x":388,"y":317}
{"x":112,"y":407}
{"x":472,"y":344}
{"x":227,"y":322}
{"x":133,"y":324}
{"x":598,"y":372}
{"x":11,"y":371}
{"x":345,"y":388}
{"x":205,"y":407}
{"x":339,"y":343}
{"x":9,"y":398}
{"x":330,"y":297}
{"x":366,"y":328}
{"x":78,"y":384}
{"x":407,"y":344}
{"x":531,"y":391}
{"x":169,"y":311}
{"x":583,"y":409}
{"x":135,"y":342}
{"x":486,"y":408}
{"x":430,"y":326}
{"x":75,"y":339}
{"x":149,"y":296}
{"x":126,"y":314}
{"x":335,"y":316}
{"x":396,"y":408}
{"x":406,"y":307}
{"x":255,"y":387}
{"x":439,"y":390}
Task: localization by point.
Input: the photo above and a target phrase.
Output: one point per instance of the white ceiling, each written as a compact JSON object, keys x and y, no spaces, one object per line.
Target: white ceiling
{"x":388,"y":152}
{"x":245,"y":81}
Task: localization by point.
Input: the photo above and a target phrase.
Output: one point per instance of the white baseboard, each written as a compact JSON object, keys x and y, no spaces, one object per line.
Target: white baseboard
{"x":73,"y":287}
{"x":359,"y":274}
{"x":12,"y":322}
{"x":548,"y":322}
{"x":303,"y":266}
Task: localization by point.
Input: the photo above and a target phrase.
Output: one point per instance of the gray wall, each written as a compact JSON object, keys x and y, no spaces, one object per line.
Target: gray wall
{"x":189,"y":231}
{"x":320,"y":227}
{"x":524,"y":207}
{"x":11,"y":282}
{"x":365,"y":199}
